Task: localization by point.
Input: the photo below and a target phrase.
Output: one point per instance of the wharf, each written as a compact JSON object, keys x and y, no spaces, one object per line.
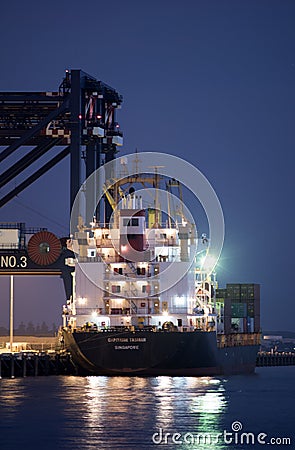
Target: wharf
{"x":58,"y":362}
{"x":268,"y":359}
{"x":21,"y":343}
{"x":34,"y":356}
{"x":23,"y":364}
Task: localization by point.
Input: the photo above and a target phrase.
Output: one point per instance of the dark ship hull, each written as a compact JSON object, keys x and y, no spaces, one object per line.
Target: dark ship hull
{"x":157,"y":353}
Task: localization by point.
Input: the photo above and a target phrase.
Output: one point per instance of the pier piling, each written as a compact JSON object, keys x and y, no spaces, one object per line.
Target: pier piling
{"x":15,"y":365}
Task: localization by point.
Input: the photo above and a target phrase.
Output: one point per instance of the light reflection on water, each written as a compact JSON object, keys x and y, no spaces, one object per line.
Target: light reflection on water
{"x":12,"y":395}
{"x":92,"y":413}
{"x":196,"y":406}
{"x":130,"y":410}
{"x":107,"y":412}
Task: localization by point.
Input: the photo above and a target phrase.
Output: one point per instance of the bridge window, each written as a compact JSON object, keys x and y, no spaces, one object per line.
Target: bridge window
{"x":134,"y":222}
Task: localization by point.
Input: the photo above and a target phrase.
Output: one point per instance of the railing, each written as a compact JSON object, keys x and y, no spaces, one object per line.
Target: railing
{"x":33,"y":230}
{"x":166,"y":242}
{"x":135,"y":329}
{"x":178,"y":310}
{"x":111,"y":275}
{"x":9,"y":246}
{"x":132,"y":308}
{"x":12,"y":225}
{"x":275,"y":359}
{"x":29,"y":346}
{"x":88,"y":311}
{"x":108,"y":243}
{"x":108,"y":259}
{"x":86,"y":259}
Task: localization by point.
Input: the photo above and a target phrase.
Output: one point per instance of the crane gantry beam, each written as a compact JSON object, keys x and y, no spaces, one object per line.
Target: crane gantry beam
{"x":81,"y":114}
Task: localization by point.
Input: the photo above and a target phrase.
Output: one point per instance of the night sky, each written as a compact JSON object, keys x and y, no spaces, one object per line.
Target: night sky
{"x":212,"y":82}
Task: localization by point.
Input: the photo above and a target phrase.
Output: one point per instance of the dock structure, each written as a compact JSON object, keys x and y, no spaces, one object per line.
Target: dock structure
{"x":16,"y":365}
{"x":28,"y":343}
{"x":268,"y":359}
{"x":34,"y":356}
{"x":33,"y":364}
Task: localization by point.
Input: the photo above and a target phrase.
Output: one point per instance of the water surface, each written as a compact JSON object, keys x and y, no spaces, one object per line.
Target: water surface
{"x":49,"y":413}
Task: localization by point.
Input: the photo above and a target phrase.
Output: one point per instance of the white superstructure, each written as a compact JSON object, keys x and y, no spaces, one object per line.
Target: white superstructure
{"x":138,"y":272}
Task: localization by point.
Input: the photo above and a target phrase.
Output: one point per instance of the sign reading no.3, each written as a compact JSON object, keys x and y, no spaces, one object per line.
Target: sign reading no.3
{"x":12,"y":261}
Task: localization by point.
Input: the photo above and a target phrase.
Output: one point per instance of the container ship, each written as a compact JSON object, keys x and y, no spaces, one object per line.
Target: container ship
{"x":143,"y":301}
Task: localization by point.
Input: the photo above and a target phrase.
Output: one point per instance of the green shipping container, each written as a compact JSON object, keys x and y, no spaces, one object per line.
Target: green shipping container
{"x":238,"y":310}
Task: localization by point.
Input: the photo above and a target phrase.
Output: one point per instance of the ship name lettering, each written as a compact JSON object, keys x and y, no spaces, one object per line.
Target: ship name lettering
{"x":137,"y":339}
{"x":118,"y":340}
{"x":126,"y":347}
